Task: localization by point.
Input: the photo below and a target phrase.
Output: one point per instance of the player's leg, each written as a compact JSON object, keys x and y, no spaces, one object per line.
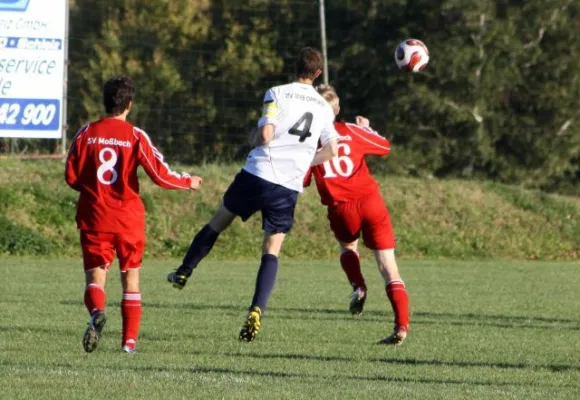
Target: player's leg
{"x":265,"y":281}
{"x":396,"y":293}
{"x":130,"y":249}
{"x":266,"y":278}
{"x":350,"y":262}
{"x":378,"y":236}
{"x":277,"y":220}
{"x":345,"y":222}
{"x":239,"y":200}
{"x":131,"y":309}
{"x":98,"y":253}
{"x":201,"y":245}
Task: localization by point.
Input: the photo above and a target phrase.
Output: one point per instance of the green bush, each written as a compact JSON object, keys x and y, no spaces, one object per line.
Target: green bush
{"x":20,"y":240}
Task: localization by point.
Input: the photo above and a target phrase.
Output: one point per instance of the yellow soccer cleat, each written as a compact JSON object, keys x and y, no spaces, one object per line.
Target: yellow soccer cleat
{"x":252,"y":325}
{"x":177,"y":280}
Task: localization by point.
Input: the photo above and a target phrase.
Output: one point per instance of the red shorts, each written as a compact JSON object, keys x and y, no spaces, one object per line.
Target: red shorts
{"x":369,"y":215}
{"x":99,"y":249}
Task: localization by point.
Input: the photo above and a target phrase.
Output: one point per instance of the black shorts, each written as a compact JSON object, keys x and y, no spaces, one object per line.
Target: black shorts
{"x":249,"y":193}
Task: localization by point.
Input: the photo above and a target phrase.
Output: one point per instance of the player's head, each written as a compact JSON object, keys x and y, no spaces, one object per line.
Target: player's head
{"x":329,"y":94}
{"x":309,"y":63}
{"x":118,"y":93}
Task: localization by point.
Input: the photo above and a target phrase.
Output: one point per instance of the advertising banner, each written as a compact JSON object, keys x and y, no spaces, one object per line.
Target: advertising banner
{"x":32,"y":68}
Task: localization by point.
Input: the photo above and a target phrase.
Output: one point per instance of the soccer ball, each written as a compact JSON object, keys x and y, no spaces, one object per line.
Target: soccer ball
{"x":412,"y":55}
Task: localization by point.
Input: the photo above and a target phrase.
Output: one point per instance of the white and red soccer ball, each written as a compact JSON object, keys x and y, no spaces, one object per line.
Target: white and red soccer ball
{"x":412,"y":55}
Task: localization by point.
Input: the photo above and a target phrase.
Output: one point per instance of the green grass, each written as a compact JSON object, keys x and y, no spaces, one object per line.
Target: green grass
{"x":480,"y":330}
{"x":432,"y":218}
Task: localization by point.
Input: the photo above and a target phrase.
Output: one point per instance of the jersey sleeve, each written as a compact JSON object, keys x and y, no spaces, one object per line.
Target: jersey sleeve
{"x":270,"y":108}
{"x":307,"y":178}
{"x":152,"y":162}
{"x":71,"y":173}
{"x":369,"y":141}
{"x":328,"y":131}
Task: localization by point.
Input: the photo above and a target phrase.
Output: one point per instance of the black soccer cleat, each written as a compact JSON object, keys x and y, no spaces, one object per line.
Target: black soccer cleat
{"x":93,"y":333}
{"x":357,"y":301}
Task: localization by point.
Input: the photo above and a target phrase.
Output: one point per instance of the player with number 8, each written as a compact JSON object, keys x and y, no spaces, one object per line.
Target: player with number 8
{"x":355,"y":206}
{"x":102,"y":165}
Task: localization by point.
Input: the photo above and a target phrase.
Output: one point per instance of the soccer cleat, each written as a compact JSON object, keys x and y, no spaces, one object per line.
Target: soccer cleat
{"x":396,"y":338}
{"x":251,"y":326}
{"x":93,"y":332}
{"x":357,"y":301}
{"x":177,"y":280}
{"x":129,"y":346}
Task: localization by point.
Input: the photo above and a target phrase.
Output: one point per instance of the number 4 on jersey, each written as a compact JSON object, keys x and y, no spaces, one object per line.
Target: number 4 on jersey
{"x":303,"y":131}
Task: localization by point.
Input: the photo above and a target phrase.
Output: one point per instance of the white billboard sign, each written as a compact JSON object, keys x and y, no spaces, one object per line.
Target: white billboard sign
{"x":32,"y":67}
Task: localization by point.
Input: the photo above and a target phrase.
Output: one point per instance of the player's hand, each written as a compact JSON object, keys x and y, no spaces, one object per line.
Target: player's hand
{"x":195,"y":182}
{"x":362,"y":121}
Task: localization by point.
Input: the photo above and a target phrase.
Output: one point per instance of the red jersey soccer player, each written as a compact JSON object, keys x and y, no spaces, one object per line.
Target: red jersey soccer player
{"x":102,"y":165}
{"x":355,"y":205}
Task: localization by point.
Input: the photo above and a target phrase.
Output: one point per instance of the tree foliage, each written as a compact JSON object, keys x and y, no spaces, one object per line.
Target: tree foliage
{"x":500,"y":98}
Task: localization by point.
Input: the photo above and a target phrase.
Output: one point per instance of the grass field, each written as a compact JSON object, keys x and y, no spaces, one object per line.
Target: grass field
{"x":480,"y":330}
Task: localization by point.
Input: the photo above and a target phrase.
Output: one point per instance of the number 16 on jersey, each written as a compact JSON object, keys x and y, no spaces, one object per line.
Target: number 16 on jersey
{"x":340,"y":165}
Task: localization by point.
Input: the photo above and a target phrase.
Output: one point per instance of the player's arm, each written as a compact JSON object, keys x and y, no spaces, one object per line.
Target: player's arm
{"x":71,"y":173}
{"x":267,"y":123}
{"x":369,"y":140}
{"x":328,"y":141}
{"x":262,"y":135}
{"x":152,"y":162}
{"x":326,"y":152}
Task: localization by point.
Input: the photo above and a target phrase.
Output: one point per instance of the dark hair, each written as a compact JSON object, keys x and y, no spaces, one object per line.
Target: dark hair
{"x":118,"y":92}
{"x":308,"y":63}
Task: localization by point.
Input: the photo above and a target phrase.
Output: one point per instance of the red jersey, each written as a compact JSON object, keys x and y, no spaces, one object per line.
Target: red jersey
{"x":346,"y":177}
{"x":102,"y":165}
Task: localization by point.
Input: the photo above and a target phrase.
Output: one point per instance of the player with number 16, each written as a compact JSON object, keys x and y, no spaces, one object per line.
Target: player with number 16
{"x":102,"y":165}
{"x":355,"y":206}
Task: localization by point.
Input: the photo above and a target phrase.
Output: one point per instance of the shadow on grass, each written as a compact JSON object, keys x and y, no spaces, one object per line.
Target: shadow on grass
{"x":399,"y":361}
{"x":420,"y":318}
{"x":232,"y":307}
{"x":203,"y":369}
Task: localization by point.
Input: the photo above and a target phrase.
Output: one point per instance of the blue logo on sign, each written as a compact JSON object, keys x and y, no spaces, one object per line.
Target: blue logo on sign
{"x":14,"y":5}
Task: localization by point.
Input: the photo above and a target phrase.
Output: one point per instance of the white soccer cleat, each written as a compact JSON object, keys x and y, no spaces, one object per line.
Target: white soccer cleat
{"x":396,"y":338}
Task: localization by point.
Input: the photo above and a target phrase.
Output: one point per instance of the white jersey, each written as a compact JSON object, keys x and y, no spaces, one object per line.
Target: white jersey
{"x":301,"y":118}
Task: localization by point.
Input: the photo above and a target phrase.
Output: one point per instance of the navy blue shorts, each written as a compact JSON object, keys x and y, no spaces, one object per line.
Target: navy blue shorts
{"x":249,"y":193}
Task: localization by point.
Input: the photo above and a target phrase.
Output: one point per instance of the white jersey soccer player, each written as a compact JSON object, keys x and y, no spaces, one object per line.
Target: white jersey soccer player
{"x":294,"y":121}
{"x":301,"y":118}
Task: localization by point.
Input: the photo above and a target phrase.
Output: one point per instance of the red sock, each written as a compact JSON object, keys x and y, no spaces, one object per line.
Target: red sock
{"x":397,"y":295}
{"x":351,"y":267}
{"x":131,"y":312}
{"x":94,"y":298}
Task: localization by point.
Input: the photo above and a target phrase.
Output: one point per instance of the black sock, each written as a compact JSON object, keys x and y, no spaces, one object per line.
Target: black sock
{"x":198,"y":249}
{"x":265,"y":281}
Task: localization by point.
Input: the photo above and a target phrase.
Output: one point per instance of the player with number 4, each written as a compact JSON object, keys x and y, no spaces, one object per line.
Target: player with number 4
{"x":102,"y":165}
{"x":295,"y":118}
{"x":355,"y":205}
